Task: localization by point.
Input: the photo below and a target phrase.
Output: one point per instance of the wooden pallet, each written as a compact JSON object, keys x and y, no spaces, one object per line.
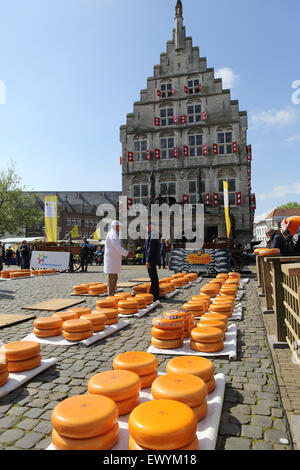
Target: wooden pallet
{"x":53,"y":305}
{"x":7,"y":319}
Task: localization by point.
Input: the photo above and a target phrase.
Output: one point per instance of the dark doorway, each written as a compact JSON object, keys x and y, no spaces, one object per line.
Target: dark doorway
{"x":210,"y":233}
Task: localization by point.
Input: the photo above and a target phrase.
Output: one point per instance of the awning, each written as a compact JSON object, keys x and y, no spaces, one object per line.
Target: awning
{"x":20,"y":239}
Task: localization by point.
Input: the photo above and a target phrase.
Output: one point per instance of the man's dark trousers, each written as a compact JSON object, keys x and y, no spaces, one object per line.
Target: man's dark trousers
{"x":154,"y":290}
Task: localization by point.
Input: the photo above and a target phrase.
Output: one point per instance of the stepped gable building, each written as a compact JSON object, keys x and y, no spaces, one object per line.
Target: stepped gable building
{"x":185,"y":136}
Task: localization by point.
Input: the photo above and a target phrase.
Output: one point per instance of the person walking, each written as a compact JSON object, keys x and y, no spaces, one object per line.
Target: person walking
{"x":113,"y":257}
{"x":85,"y":251}
{"x":8,"y":256}
{"x":24,"y":251}
{"x":1,"y":256}
{"x":152,"y":259}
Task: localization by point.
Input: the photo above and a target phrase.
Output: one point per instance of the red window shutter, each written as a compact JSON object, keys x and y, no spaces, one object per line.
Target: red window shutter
{"x":175,"y":119}
{"x":186,"y":90}
{"x":172,"y":91}
{"x":204,"y":116}
{"x":185,"y":199}
{"x":130,"y":156}
{"x":200,"y":88}
{"x":234,"y":147}
{"x":157,"y":121}
{"x":253,"y":202}
{"x":175,"y":152}
{"x":129,"y":202}
{"x":183,"y":119}
{"x":158,"y":92}
{"x":148,"y":155}
{"x":215,"y":148}
{"x":238,"y":199}
{"x":157,"y":154}
{"x":207,"y":199}
{"x":185,"y":151}
{"x":121,"y":160}
{"x":215,"y":199}
{"x":205,"y":149}
{"x":249,"y":149}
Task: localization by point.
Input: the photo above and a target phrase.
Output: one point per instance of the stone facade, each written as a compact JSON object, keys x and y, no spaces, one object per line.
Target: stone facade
{"x":184,"y":122}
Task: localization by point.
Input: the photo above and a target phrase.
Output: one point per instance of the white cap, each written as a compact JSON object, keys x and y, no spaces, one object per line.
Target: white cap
{"x":115,"y":223}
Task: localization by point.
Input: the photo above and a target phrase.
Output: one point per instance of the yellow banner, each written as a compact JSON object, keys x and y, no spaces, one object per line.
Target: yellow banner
{"x":74,"y":232}
{"x":51,"y":218}
{"x":226,"y":207}
{"x":97,"y":234}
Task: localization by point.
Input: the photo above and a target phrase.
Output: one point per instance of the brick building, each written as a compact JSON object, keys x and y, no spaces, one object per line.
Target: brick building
{"x":190,"y":136}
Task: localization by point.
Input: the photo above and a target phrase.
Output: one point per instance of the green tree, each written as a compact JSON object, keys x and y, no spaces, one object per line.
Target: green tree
{"x":290,"y":205}
{"x":17,"y":208}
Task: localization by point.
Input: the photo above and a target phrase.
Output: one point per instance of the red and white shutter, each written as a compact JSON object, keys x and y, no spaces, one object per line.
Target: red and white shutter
{"x":215,"y":199}
{"x":215,"y":149}
{"x":200,"y":88}
{"x":186,"y":90}
{"x":156,"y":121}
{"x":148,"y":154}
{"x":207,"y":199}
{"x":234,"y":147}
{"x":158,"y":92}
{"x":175,"y":152}
{"x":204,"y":116}
{"x":172,"y":91}
{"x":129,"y":203}
{"x":185,"y":199}
{"x":130,"y":156}
{"x":121,"y":160}
{"x":205,"y":149}
{"x":238,"y":199}
{"x":253,"y":202}
{"x":186,"y":151}
{"x":183,"y":119}
{"x":249,"y":153}
{"x":157,"y":154}
{"x":175,"y":119}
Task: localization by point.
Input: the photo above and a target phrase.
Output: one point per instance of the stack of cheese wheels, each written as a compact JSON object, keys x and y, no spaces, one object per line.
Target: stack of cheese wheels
{"x":177,"y":275}
{"x":148,"y":298}
{"x":80,"y":311}
{"x":22,"y":355}
{"x":207,"y":339}
{"x":188,"y":320}
{"x":108,"y":302}
{"x":66,"y":315}
{"x":229,"y":290}
{"x":205,"y":299}
{"x":97,"y":319}
{"x":4,"y":374}
{"x":111,"y":315}
{"x":222,"y":276}
{"x":197,"y":308}
{"x":212,"y":291}
{"x":225,"y":308}
{"x":128,"y":307}
{"x":194,"y":365}
{"x":165,"y":280}
{"x":162,"y":425}
{"x":97,"y":289}
{"x":142,"y":363}
{"x":5,"y":275}
{"x":77,"y":330}
{"x":140,"y":301}
{"x":212,"y":323}
{"x":165,"y":289}
{"x":142,"y":288}
{"x":46,"y":327}
{"x":182,"y":387}
{"x":167,"y":333}
{"x":122,"y":386}
{"x":81,"y":289}
{"x":122,"y":296}
{"x":212,"y":317}
{"x":85,"y":422}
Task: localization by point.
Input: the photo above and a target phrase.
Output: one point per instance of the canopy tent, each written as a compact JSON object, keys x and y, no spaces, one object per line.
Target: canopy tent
{"x":20,"y":239}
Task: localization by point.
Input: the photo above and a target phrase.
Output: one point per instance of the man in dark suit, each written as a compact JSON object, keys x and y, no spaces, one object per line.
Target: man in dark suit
{"x":152,"y":259}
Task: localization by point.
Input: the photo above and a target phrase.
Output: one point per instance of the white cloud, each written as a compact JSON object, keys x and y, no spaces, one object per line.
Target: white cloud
{"x":280,"y":191}
{"x":229,"y":78}
{"x":274,"y":117}
{"x":293,"y":138}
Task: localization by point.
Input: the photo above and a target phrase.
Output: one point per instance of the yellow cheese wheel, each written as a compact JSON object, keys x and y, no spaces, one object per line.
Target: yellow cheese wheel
{"x":84,"y":416}
{"x":77,"y":326}
{"x":207,"y":347}
{"x":193,"y":445}
{"x":167,"y":343}
{"x":211,"y":291}
{"x":207,"y":334}
{"x":128,"y":311}
{"x":222,"y":302}
{"x":48,"y":323}
{"x":112,"y":321}
{"x":181,"y":313}
{"x":140,"y":302}
{"x":211,"y":384}
{"x":81,"y":311}
{"x":66,"y":315}
{"x":98,"y":327}
{"x":47,"y":333}
{"x":140,"y":362}
{"x":168,"y":323}
{"x":215,"y":316}
{"x":106,"y":303}
{"x":147,"y":297}
{"x":162,"y":424}
{"x":27,"y":364}
{"x":80,"y":336}
{"x":212,"y":324}
{"x":200,"y":411}
{"x":234,"y":275}
{"x":4,"y":377}
{"x":146,"y":380}
{"x":199,"y":366}
{"x":95,"y":318}
{"x":222,"y":275}
{"x":228,"y":314}
{"x":108,"y":312}
{"x":228,"y":290}
{"x":122,"y":295}
{"x":5,"y":274}
{"x":166,"y":334}
{"x":115,"y":384}
{"x":103,"y":442}
{"x":3,"y":362}
{"x":194,"y":306}
{"x":21,"y":350}
{"x":182,"y":387}
{"x":80,"y":290}
{"x":128,"y":304}
{"x":126,"y":406}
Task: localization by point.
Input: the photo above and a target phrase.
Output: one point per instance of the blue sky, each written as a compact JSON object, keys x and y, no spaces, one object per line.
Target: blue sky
{"x":73,"y":69}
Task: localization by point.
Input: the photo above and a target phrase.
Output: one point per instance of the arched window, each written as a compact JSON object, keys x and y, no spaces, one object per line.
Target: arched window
{"x":225,"y":140}
{"x":229,"y":175}
{"x":195,"y":143}
{"x":193,"y":186}
{"x":140,"y":189}
{"x":166,"y":115}
{"x":140,"y":145}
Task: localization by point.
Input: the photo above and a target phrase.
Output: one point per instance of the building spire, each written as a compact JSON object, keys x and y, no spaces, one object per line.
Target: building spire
{"x":179,"y":36}
{"x":178,"y":8}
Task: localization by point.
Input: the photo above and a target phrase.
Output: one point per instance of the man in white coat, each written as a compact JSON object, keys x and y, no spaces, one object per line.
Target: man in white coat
{"x":113,"y":257}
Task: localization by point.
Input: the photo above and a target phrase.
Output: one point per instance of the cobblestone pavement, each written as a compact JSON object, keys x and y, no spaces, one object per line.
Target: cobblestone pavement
{"x":252,"y":415}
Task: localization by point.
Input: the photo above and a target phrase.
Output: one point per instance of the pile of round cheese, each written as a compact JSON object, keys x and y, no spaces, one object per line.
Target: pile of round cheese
{"x":211,"y":319}
{"x":77,"y":330}
{"x":97,"y":289}
{"x":5,"y":274}
{"x":165,"y":289}
{"x":122,"y":386}
{"x":194,"y":365}
{"x":22,"y":355}
{"x":98,"y":321}
{"x":182,"y":387}
{"x":128,"y":307}
{"x":188,"y":320}
{"x":93,"y":288}
{"x":148,"y":298}
{"x":111,"y":315}
{"x":4,"y":373}
{"x":142,"y":363}
{"x":85,"y":422}
{"x":162,"y":425}
{"x":207,"y":339}
{"x":223,"y":306}
{"x":197,"y":307}
{"x":107,"y":302}
{"x":210,"y":290}
{"x":167,"y":333}
{"x":142,"y":288}
{"x":47,"y":327}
